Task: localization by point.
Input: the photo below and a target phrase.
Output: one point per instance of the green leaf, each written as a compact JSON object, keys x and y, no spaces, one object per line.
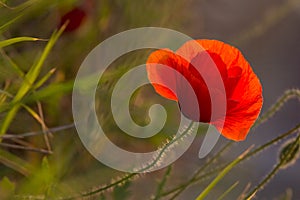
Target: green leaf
{"x":11,"y":41}
{"x":29,"y":80}
{"x":43,"y":79}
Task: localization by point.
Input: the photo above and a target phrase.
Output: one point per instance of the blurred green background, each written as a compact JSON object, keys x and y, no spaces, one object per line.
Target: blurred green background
{"x":267,"y":32}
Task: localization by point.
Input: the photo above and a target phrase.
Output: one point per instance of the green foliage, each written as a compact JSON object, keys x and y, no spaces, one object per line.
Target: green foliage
{"x":15,"y":163}
{"x":29,"y":79}
{"x":7,"y":188}
{"x":43,"y":180}
{"x":39,"y":166}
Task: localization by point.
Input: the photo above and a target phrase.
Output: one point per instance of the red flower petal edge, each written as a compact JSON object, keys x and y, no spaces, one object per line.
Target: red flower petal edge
{"x":242,"y":87}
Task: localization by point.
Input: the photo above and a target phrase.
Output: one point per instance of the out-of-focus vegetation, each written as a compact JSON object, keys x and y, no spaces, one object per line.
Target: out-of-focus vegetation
{"x":41,"y":156}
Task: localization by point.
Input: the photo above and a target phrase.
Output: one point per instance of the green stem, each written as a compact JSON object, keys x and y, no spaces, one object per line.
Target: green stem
{"x":228,"y":191}
{"x":183,"y":186}
{"x":288,"y":94}
{"x":165,"y":147}
{"x":220,"y":176}
{"x":129,"y":176}
{"x":197,"y":179}
{"x":29,"y":79}
{"x":250,"y":154}
{"x":275,"y":170}
{"x":274,"y":141}
{"x":162,"y":183}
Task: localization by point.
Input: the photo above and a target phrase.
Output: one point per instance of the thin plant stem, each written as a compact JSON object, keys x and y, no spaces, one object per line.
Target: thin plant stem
{"x":15,"y":146}
{"x":201,"y":169}
{"x":44,"y":126}
{"x":162,"y":183}
{"x":220,"y":176}
{"x":228,"y":191}
{"x":32,"y":75}
{"x":193,"y":180}
{"x":247,"y":156}
{"x":288,"y":95}
{"x":165,"y":147}
{"x":132,"y":175}
{"x":274,"y":141}
{"x":35,"y":133}
{"x":274,"y":171}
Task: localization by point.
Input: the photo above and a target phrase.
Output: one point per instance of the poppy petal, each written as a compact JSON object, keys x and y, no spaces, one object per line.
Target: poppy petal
{"x":159,"y":76}
{"x":245,"y":92}
{"x":243,"y":89}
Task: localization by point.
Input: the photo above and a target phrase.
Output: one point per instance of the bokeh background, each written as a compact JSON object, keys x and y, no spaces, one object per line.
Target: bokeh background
{"x":267,"y":32}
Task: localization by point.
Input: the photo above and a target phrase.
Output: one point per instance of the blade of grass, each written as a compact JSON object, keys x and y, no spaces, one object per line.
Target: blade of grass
{"x":220,"y":176}
{"x":7,"y":24}
{"x":244,"y":192}
{"x":44,"y":126}
{"x":38,"y":117}
{"x":12,"y":64}
{"x":289,"y":94}
{"x":197,"y":178}
{"x":19,"y":7}
{"x":30,"y":76}
{"x":228,"y":191}
{"x":4,"y":94}
{"x":34,"y":115}
{"x":43,"y":79}
{"x":53,"y":89}
{"x":245,"y":156}
{"x":179,"y":189}
{"x":162,"y":183}
{"x":15,"y":163}
{"x":275,"y":170}
{"x":11,"y":41}
{"x":18,"y":13}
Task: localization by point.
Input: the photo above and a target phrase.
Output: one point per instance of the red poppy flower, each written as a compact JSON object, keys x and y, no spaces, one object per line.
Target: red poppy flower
{"x":75,"y":17}
{"x":242,"y":87}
